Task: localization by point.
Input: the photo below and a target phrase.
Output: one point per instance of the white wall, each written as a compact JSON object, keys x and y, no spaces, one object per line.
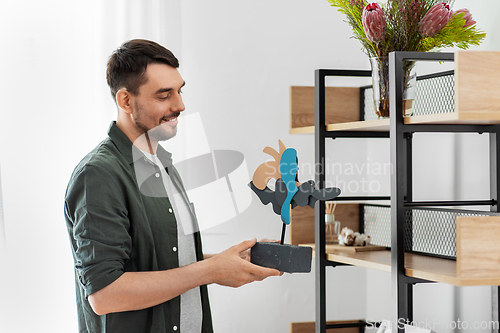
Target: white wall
{"x":55,"y":108}
{"x":47,"y":111}
{"x":238,"y":59}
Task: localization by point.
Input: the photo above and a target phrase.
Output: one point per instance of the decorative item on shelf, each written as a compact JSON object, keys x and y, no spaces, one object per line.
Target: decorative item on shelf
{"x":405,"y":25}
{"x":288,"y":194}
{"x":350,"y":238}
{"x":332,"y":227}
{"x":380,"y":84}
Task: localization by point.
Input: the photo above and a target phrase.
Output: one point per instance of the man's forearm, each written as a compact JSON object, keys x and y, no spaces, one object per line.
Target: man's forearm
{"x":140,"y":290}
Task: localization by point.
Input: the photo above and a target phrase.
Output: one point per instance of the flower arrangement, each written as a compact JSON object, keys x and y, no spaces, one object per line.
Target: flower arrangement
{"x":405,"y":25}
{"x":409,"y":25}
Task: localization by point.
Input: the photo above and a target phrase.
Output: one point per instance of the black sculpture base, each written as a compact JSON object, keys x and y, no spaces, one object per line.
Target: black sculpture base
{"x":283,"y":257}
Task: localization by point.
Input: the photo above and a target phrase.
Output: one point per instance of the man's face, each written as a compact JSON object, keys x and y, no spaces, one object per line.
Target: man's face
{"x":159,"y":102}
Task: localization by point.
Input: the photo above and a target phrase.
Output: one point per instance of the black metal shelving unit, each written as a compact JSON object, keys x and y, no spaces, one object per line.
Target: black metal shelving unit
{"x":401,"y":201}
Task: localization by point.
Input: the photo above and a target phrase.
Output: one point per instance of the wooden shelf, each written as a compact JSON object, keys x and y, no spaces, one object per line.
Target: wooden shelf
{"x":476,"y":100}
{"x":462,"y":118}
{"x":382,"y":125}
{"x":378,"y":125}
{"x":342,"y":105}
{"x":417,"y":266}
{"x":302,"y":130}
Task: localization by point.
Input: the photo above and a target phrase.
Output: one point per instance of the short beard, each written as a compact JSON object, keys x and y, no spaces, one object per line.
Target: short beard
{"x":157,"y":133}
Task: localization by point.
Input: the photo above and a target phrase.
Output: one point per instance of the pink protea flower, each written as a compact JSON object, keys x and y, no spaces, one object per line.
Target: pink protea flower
{"x":374,"y":23}
{"x":435,"y":19}
{"x":467,"y":16}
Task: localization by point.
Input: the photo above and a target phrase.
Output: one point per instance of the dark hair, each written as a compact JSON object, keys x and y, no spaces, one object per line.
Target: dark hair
{"x":128,"y":63}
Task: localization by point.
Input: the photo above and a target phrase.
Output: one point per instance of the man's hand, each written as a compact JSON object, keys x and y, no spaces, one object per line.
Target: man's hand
{"x":232,"y":267}
{"x":246,"y":254}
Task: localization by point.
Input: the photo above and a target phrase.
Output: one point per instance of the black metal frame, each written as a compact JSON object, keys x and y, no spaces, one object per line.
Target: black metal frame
{"x":400,"y":136}
{"x":320,"y":135}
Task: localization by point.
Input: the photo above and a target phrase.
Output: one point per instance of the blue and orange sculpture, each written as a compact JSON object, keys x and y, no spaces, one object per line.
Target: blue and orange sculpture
{"x":288,"y":192}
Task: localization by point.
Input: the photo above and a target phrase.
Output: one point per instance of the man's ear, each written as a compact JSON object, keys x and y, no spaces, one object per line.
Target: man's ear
{"x":123,"y":100}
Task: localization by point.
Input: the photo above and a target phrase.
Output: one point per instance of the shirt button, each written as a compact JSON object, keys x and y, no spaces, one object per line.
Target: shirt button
{"x":174,"y":249}
{"x":170,"y":210}
{"x":157,"y":175}
{"x":174,"y":328}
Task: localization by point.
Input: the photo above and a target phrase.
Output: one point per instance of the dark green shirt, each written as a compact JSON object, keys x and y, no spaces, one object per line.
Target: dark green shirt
{"x":120,"y":219}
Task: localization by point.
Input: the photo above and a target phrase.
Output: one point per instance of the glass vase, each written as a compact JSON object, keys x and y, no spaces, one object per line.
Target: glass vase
{"x":380,"y":82}
{"x":332,"y":230}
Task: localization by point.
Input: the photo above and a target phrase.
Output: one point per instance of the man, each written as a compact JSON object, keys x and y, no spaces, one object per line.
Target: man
{"x":135,"y":269}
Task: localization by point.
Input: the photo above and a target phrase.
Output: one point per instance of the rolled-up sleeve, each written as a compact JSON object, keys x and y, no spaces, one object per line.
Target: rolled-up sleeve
{"x":99,"y":228}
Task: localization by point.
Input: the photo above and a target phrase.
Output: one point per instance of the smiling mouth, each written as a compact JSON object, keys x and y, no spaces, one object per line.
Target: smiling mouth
{"x":172,"y":119}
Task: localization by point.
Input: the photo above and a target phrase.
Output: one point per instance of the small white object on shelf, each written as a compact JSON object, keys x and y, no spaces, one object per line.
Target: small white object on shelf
{"x":350,"y":238}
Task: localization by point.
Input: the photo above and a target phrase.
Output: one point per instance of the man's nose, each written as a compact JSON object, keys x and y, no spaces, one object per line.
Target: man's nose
{"x":178,"y":105}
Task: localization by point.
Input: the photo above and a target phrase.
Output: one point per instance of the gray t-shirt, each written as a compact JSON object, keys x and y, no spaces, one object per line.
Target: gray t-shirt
{"x":191,"y":311}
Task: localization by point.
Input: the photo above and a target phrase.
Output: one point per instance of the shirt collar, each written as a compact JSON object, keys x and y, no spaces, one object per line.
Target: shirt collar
{"x":130,"y":152}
